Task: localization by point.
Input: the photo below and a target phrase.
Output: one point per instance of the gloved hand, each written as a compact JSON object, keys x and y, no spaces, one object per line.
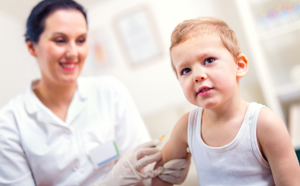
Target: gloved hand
{"x":127,"y":171}
{"x":176,"y":170}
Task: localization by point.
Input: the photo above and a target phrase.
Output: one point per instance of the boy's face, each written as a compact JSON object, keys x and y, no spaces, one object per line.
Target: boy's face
{"x":206,"y":70}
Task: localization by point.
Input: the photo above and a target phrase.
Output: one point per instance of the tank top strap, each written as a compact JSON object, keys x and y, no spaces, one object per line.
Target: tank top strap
{"x":254,"y":109}
{"x":194,"y":123}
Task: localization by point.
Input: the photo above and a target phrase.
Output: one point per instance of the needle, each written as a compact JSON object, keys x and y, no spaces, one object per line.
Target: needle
{"x":158,"y":141}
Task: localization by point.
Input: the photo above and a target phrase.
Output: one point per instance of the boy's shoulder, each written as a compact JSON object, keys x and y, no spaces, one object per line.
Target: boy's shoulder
{"x":270,"y":127}
{"x":268,"y":118}
{"x":275,"y":145}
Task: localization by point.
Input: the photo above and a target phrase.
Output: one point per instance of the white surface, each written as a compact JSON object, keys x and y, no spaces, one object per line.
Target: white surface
{"x":17,"y":67}
{"x":295,"y":73}
{"x":280,"y":31}
{"x":288,"y":92}
{"x":294,"y":124}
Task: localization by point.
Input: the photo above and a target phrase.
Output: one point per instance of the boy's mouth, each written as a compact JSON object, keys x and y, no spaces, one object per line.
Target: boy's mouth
{"x":204,"y":90}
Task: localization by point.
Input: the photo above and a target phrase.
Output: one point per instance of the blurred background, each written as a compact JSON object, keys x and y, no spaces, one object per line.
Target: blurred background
{"x":129,"y":39}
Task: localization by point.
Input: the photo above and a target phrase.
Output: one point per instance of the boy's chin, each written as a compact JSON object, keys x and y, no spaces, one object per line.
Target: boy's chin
{"x":209,"y":104}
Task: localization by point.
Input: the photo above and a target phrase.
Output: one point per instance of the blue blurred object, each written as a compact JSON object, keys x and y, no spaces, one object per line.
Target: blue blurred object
{"x":298,"y":154}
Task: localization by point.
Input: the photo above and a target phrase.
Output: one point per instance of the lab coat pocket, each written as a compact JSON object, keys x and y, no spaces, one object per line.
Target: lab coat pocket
{"x":104,"y":154}
{"x":98,"y":138}
{"x":97,"y":134}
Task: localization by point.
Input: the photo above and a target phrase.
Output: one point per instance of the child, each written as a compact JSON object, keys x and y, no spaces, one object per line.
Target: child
{"x":232,"y":142}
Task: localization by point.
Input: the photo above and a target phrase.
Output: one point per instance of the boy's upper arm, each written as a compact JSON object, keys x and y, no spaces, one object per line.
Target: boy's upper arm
{"x":175,"y":147}
{"x":277,"y":147}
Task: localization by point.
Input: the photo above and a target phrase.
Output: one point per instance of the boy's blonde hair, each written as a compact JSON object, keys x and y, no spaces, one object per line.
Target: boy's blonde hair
{"x":205,"y":25}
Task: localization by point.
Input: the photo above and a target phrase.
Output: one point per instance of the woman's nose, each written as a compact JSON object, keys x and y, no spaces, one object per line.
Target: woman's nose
{"x":72,"y":51}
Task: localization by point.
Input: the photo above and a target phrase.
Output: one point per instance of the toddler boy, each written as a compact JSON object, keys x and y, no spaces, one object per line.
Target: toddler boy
{"x":232,"y":142}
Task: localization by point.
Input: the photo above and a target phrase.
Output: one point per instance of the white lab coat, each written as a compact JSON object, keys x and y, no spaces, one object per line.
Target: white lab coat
{"x":38,"y":148}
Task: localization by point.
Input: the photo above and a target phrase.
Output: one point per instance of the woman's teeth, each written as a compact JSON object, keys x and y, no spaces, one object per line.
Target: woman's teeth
{"x":68,"y":65}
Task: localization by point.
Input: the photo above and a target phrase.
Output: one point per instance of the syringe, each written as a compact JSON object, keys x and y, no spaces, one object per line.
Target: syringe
{"x":158,"y":141}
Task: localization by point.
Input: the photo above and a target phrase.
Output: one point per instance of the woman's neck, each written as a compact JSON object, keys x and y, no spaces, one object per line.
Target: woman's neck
{"x":55,"y":96}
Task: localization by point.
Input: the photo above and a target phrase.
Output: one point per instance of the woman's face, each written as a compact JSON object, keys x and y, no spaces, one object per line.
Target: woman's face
{"x":62,"y":47}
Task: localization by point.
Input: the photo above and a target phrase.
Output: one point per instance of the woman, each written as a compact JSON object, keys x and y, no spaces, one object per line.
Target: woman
{"x":64,"y":129}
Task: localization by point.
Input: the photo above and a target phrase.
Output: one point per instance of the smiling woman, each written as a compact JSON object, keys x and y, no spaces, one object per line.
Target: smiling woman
{"x":70,"y":130}
{"x":62,"y":47}
{"x":60,"y":51}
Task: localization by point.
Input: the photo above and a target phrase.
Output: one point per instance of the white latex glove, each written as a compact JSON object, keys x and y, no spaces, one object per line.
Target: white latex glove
{"x":176,"y":170}
{"x":127,"y":171}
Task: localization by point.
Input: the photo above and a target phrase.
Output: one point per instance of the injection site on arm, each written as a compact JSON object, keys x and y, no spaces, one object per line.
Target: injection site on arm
{"x":175,"y":147}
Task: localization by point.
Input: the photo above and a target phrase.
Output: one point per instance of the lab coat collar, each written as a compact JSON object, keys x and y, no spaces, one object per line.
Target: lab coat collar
{"x":82,"y":88}
{"x":43,"y":114}
{"x":35,"y":107}
{"x":79,"y":100}
{"x":31,"y":101}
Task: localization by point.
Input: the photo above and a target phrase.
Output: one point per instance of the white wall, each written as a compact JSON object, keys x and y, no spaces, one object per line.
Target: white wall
{"x":17,"y":67}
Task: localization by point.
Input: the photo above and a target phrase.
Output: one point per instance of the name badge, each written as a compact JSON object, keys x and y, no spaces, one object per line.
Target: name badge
{"x":104,"y":154}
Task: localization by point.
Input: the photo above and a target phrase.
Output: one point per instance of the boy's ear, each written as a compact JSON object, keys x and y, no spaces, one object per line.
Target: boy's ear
{"x":242,"y":66}
{"x":31,"y":48}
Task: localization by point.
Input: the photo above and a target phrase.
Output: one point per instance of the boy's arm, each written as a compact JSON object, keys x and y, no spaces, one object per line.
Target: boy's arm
{"x":175,"y":147}
{"x":276,"y":146}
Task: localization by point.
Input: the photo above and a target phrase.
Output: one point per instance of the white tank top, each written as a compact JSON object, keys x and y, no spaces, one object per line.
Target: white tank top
{"x":238,"y":163}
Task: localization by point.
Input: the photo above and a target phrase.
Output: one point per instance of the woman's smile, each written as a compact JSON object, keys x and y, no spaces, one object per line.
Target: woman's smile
{"x":62,"y":48}
{"x":68,"y":66}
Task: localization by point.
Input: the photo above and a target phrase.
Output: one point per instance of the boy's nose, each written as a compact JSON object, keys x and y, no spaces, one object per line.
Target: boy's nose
{"x":200,"y":76}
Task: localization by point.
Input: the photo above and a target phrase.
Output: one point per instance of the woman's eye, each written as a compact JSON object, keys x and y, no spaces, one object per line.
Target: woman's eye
{"x":185,"y":71}
{"x":80,"y":41}
{"x":59,"y":41}
{"x":209,"y":60}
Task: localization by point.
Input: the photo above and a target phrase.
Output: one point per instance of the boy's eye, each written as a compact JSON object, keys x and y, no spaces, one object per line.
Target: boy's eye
{"x":209,"y":60}
{"x":185,"y":71}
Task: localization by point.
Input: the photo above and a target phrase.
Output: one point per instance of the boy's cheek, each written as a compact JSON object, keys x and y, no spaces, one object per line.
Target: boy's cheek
{"x":189,"y":94}
{"x":182,"y":84}
{"x":184,"y":89}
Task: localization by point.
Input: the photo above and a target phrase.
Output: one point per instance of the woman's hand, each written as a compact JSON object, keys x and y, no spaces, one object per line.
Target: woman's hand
{"x":127,"y":171}
{"x":175,"y":171}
